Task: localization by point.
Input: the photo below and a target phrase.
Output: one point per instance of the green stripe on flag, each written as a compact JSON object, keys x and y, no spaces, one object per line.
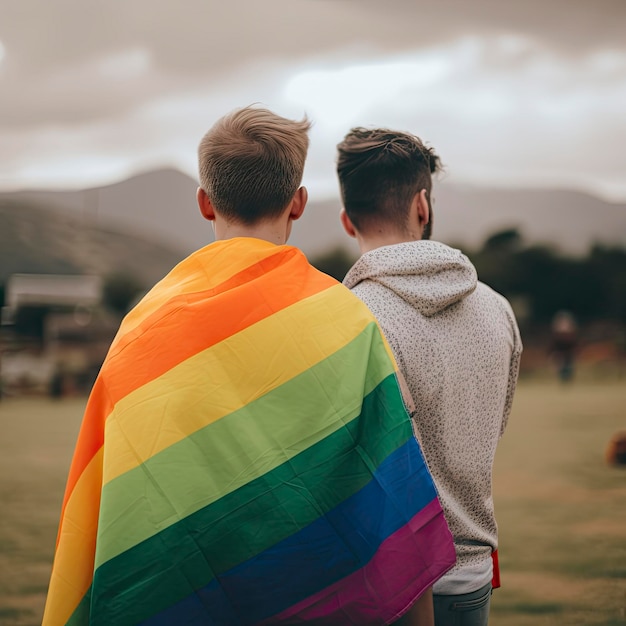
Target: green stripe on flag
{"x":287,"y":499}
{"x":238,"y":448}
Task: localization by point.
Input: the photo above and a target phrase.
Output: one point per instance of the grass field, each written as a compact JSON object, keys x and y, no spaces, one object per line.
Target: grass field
{"x":561,"y":510}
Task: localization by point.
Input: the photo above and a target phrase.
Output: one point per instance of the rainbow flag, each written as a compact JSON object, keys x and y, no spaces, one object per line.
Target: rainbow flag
{"x":246,"y":458}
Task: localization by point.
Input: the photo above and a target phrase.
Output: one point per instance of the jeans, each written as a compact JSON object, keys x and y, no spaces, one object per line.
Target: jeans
{"x":467,"y":609}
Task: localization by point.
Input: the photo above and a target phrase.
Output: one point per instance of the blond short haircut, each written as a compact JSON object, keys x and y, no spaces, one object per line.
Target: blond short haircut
{"x":251,"y":163}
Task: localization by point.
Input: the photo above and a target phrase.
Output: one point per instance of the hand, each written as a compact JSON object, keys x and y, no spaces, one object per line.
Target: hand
{"x":421,"y":613}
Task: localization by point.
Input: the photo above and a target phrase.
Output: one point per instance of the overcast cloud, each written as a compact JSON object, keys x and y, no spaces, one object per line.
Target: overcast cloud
{"x":509,"y":93}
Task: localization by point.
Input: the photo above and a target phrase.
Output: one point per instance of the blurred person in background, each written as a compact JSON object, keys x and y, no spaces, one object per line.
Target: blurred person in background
{"x":564,"y":344}
{"x":456,"y":341}
{"x":246,"y":455}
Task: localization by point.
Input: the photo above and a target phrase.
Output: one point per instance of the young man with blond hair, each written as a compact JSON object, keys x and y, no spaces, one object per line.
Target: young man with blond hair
{"x":455,"y":340}
{"x":246,"y":456}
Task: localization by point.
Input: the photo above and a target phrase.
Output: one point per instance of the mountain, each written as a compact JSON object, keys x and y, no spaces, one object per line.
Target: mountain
{"x":154,"y":221}
{"x":568,"y":220}
{"x":47,"y":241}
{"x":158,"y":205}
{"x":465,"y":216}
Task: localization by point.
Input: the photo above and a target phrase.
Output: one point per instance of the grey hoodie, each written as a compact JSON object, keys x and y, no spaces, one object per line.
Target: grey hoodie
{"x":458,"y":345}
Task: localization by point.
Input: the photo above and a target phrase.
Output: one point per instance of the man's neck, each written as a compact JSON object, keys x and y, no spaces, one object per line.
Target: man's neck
{"x":274,"y":231}
{"x":380,"y":238}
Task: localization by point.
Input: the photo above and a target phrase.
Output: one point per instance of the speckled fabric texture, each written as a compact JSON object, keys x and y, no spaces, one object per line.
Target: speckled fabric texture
{"x":458,"y":345}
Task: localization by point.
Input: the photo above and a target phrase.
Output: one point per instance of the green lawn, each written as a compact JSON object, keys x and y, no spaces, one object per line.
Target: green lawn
{"x":561,"y":510}
{"x":36,"y":442}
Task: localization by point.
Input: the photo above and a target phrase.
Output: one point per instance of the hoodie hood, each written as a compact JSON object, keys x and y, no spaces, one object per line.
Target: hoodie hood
{"x":429,"y":275}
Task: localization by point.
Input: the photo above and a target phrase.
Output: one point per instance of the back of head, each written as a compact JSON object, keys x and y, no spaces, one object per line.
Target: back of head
{"x":251,"y":163}
{"x":380,"y":171}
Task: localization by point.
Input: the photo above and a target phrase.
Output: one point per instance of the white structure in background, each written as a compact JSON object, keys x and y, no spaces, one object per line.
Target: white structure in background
{"x":73,"y":336}
{"x":55,"y":291}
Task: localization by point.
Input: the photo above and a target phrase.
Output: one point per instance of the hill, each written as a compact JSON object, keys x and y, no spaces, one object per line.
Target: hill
{"x":568,"y":220}
{"x":148,"y":222}
{"x":34,"y":239}
{"x":464,"y":216}
{"x":158,"y":206}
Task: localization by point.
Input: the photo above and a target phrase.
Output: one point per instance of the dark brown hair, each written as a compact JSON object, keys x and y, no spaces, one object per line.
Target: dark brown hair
{"x":380,"y":171}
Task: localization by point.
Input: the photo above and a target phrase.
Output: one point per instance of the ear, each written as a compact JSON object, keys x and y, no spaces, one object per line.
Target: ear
{"x":205,"y":205}
{"x":298,"y":203}
{"x":422,"y":207}
{"x":347,"y":224}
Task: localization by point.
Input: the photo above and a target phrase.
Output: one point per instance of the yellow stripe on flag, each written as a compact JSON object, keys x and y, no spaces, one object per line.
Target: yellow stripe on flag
{"x":135,"y":430}
{"x":72,"y":571}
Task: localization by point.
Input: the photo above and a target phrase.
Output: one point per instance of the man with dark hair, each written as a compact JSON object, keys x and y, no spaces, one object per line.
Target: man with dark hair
{"x":455,"y":340}
{"x":246,"y":456}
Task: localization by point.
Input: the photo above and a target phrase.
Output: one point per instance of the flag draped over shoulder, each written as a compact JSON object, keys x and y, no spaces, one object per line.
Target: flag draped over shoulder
{"x":246,"y":458}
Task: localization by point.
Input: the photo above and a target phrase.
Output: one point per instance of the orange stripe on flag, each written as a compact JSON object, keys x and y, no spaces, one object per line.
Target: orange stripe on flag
{"x":159,"y":343}
{"x":90,"y":440}
{"x":181,"y":281}
{"x":203,"y":319}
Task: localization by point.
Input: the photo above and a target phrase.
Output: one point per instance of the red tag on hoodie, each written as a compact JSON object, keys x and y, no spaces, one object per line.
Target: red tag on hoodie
{"x":495,"y":582}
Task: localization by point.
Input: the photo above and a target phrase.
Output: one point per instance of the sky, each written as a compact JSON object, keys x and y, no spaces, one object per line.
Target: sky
{"x":528,"y":93}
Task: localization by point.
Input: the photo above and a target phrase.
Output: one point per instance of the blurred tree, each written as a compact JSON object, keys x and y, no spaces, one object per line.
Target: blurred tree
{"x":592,"y":287}
{"x":336,"y":262}
{"x":120,"y":290}
{"x":554,"y":283}
{"x":496,"y":262}
{"x":508,"y":240}
{"x":609,"y":265}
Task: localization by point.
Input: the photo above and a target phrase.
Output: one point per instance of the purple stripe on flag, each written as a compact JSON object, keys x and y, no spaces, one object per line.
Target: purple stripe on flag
{"x":388,"y":585}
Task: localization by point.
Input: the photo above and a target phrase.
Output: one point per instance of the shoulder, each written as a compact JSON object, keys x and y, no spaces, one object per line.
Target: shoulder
{"x":488,"y":294}
{"x":379,"y":299}
{"x":501,"y":307}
